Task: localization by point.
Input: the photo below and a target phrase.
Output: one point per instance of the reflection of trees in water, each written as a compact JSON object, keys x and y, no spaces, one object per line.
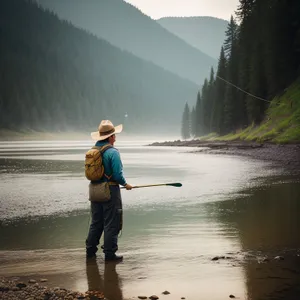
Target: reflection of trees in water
{"x":268,"y":224}
{"x":109,"y":283}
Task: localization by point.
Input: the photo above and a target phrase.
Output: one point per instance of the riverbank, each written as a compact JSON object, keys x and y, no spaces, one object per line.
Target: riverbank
{"x":285,"y":155}
{"x":257,"y":264}
{"x":14,"y":289}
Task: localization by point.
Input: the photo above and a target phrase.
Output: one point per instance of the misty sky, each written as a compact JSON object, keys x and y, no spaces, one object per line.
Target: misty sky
{"x":163,"y":8}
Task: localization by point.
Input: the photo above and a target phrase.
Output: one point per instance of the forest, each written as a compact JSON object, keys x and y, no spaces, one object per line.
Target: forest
{"x":258,"y":62}
{"x":55,"y":76}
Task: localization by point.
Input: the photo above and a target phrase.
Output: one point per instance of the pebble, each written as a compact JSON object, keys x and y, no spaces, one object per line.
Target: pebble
{"x":17,"y":290}
{"x":279,"y":258}
{"x":153,"y":297}
{"x":218,"y":257}
{"x":265,"y":259}
{"x":182,"y":298}
{"x":21,"y":285}
{"x":4,"y":288}
{"x":231,"y":296}
{"x":166,"y":293}
{"x":32,"y":281}
{"x":142,"y":297}
{"x":43,"y":280}
{"x":95,"y":295}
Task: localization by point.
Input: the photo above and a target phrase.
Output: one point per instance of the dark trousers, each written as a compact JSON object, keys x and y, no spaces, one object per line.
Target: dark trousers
{"x":106,"y":217}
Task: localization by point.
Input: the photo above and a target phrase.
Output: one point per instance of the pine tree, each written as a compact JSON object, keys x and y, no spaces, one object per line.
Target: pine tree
{"x":217,"y":119}
{"x":193,"y":122}
{"x":186,"y":124}
{"x":245,"y":9}
{"x":231,"y":37}
{"x":199,"y":116}
{"x":204,"y":108}
{"x":231,"y":105}
{"x":210,"y":104}
{"x":246,"y":40}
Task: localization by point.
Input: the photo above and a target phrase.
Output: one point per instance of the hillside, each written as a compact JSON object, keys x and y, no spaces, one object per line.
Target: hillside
{"x":54,"y":76}
{"x":281,"y":124}
{"x":204,"y":33}
{"x":128,"y":28}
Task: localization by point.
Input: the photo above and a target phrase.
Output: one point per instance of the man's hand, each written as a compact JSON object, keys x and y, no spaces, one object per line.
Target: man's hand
{"x":128,"y":187}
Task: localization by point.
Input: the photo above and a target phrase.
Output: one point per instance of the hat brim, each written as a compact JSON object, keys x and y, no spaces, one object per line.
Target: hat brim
{"x":96,"y":135}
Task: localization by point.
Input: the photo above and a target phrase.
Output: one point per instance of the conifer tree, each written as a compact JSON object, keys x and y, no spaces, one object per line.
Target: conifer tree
{"x":199,"y":116}
{"x":231,"y":118}
{"x":204,"y":108}
{"x":231,"y":37}
{"x":193,"y":122}
{"x":217,"y":119}
{"x":211,"y":99}
{"x":186,"y":123}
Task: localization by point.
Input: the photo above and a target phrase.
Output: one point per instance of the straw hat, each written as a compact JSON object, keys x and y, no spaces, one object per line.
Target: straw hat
{"x":106,"y":129}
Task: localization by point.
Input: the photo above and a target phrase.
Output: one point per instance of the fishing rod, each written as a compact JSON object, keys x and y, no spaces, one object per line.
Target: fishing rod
{"x":176,"y":184}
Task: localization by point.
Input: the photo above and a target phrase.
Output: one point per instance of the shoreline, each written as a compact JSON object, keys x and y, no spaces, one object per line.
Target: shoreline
{"x":14,"y":288}
{"x":287,"y":155}
{"x":42,"y":286}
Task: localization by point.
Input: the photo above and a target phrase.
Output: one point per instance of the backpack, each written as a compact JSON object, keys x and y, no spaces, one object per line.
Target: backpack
{"x":94,"y":169}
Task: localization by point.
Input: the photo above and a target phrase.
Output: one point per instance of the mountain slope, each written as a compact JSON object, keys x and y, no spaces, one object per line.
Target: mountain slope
{"x":282,"y":122}
{"x":127,"y":28}
{"x":205,"y":33}
{"x":54,"y":76}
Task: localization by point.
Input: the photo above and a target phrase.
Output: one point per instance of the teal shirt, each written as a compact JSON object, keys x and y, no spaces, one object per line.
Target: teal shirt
{"x":112,"y":164}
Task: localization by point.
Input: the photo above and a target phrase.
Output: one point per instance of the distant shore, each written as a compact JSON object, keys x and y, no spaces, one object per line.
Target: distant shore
{"x":286,"y":155}
{"x":31,"y":135}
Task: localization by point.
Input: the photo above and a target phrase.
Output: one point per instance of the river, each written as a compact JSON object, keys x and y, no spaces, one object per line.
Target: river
{"x":241,"y":208}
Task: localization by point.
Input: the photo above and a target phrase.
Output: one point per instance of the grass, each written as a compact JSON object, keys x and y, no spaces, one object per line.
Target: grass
{"x":292,"y":134}
{"x":209,"y":137}
{"x":281,"y":124}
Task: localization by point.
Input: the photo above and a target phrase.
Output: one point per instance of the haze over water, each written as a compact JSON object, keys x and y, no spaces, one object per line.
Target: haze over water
{"x":236,"y":207}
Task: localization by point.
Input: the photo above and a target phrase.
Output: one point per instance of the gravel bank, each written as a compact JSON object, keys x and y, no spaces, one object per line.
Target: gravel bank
{"x":32,"y":290}
{"x":286,"y":155}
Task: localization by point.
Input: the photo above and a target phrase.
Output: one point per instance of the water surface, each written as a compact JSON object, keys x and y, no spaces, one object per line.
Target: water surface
{"x":241,"y":208}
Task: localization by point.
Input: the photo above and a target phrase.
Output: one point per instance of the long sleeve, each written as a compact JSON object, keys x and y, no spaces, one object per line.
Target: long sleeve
{"x":117,"y":168}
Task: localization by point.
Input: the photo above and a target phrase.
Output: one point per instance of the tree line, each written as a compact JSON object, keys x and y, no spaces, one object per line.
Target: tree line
{"x":54,"y":76}
{"x":260,"y":57}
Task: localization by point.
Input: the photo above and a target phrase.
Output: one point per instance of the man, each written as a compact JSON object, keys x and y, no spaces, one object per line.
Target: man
{"x":106,"y":216}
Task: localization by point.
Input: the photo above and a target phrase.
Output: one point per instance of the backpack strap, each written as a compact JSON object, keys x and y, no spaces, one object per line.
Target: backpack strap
{"x":102,"y":150}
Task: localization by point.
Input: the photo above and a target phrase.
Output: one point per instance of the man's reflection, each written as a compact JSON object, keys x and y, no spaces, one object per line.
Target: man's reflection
{"x":109,"y":283}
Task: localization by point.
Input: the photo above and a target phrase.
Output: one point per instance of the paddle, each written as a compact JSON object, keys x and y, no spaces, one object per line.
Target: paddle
{"x":177,"y":184}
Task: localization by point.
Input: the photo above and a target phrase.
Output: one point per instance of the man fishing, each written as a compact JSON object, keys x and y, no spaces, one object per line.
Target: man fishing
{"x":107,"y":216}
